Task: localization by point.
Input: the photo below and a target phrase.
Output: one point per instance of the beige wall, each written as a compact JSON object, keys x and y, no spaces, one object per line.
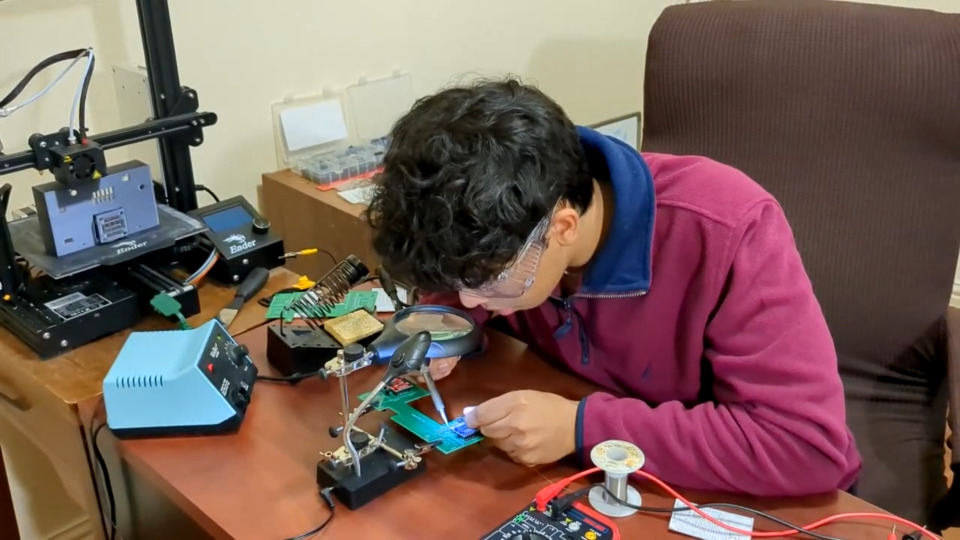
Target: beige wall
{"x":955,"y":301}
{"x":297,"y":47}
{"x":239,"y":69}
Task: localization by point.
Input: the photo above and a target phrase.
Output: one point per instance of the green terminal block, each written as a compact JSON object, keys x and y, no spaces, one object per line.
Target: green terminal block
{"x":166,"y":305}
{"x":397,"y":398}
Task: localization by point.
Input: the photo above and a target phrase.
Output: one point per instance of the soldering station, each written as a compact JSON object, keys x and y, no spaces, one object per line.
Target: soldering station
{"x":107,"y":245}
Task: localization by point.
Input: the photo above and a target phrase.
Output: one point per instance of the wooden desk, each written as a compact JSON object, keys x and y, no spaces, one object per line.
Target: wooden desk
{"x":260,"y":483}
{"x":45,"y":399}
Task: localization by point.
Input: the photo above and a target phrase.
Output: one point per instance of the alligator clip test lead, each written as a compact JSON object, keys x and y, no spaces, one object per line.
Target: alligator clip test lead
{"x":547,"y":495}
{"x":295,"y":254}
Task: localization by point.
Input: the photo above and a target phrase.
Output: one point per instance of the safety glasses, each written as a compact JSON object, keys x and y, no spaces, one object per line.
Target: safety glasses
{"x":517,"y":278}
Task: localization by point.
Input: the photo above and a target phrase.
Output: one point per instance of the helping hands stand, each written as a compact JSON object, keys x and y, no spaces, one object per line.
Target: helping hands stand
{"x":367,"y":466}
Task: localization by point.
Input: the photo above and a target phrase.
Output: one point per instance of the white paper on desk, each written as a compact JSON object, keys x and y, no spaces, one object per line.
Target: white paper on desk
{"x":313,"y":124}
{"x":689,"y":523}
{"x":385,"y":304}
{"x":360,"y":195}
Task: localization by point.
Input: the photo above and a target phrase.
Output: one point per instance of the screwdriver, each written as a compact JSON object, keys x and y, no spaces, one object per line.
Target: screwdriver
{"x":250,"y":286}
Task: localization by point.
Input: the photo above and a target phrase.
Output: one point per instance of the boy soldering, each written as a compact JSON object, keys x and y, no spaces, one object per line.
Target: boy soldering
{"x":672,"y":282}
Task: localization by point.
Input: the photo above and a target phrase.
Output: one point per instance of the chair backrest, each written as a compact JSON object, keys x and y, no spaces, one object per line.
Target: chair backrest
{"x":850,"y":115}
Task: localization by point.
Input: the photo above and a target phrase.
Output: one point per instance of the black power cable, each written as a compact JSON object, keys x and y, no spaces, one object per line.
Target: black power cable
{"x":47,"y":62}
{"x":292,"y":379}
{"x":105,"y":473}
{"x":54,"y":59}
{"x":208,"y":191}
{"x":328,"y":499}
{"x":83,"y":97}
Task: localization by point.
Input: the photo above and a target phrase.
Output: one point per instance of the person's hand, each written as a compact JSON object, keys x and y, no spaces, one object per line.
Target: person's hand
{"x":532,"y":427}
{"x":441,"y":367}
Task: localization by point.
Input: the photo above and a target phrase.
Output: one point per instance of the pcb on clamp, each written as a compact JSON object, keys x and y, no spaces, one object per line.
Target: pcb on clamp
{"x":448,"y":438}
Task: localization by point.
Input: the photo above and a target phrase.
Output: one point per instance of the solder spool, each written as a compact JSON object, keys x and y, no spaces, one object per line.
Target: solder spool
{"x":618,"y":460}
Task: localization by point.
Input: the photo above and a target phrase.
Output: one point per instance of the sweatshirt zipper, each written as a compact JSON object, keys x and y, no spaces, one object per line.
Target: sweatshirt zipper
{"x":610,"y":295}
{"x":581,"y":329}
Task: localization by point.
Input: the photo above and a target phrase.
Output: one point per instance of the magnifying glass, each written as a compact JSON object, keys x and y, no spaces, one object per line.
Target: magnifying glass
{"x":453,"y":332}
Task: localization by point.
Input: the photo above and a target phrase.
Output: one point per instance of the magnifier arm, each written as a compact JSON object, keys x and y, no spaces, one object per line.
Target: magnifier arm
{"x":341,"y":366}
{"x":409,"y":357}
{"x":352,"y":420}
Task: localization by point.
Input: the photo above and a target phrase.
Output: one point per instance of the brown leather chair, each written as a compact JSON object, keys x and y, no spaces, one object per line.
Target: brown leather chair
{"x":850,"y":115}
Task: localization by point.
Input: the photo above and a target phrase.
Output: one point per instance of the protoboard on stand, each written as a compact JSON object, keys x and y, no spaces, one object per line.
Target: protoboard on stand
{"x":397,"y":398}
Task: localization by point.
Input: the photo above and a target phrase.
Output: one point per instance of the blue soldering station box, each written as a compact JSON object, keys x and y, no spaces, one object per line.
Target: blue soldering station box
{"x":179,"y":383}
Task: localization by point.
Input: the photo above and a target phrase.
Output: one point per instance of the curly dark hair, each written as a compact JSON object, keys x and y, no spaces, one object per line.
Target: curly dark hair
{"x":468,"y":174}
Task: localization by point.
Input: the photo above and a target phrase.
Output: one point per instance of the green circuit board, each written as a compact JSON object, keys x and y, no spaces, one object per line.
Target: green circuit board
{"x":397,"y":398}
{"x":353,"y":301}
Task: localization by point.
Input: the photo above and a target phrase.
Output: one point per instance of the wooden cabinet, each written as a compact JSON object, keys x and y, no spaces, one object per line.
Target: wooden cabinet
{"x":50,"y":402}
{"x":309,"y":218}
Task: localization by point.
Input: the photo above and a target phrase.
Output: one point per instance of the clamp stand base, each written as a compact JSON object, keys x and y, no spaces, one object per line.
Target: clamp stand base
{"x":380,"y":472}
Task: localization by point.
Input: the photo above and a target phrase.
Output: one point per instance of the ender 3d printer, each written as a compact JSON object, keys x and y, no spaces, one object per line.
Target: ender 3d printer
{"x":75,"y":270}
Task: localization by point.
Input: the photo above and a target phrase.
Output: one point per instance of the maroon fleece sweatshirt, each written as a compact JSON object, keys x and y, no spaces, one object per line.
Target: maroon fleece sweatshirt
{"x":698,"y":320}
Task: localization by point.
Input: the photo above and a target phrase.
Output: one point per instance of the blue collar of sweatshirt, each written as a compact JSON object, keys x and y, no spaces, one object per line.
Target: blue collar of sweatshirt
{"x":623,"y":264}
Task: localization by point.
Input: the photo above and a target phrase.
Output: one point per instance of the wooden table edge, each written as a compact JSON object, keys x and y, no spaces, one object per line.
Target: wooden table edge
{"x":158,"y":482}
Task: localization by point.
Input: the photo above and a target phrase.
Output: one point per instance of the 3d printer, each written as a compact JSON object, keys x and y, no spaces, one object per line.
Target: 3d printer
{"x":75,"y":269}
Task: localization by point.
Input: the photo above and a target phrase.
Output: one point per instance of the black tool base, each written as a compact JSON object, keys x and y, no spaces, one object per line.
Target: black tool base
{"x":379,"y":474}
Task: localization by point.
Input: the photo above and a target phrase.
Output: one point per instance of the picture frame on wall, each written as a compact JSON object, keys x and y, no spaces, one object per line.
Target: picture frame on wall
{"x":625,"y":128}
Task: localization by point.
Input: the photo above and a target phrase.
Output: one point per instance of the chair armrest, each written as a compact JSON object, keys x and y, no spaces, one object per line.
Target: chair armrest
{"x":953,"y":376}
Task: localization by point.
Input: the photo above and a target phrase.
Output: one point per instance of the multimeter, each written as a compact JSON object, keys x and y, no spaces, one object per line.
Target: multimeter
{"x":241,"y":236}
{"x":578,"y":522}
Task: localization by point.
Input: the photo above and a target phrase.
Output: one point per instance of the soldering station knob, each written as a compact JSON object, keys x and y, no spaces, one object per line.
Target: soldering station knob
{"x":238,"y":354}
{"x":353,"y":352}
{"x":261,"y":225}
{"x":618,"y":460}
{"x":359,"y":440}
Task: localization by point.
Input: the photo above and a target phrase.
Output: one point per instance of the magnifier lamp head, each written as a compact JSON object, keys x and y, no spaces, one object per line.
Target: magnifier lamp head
{"x":451,"y":332}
